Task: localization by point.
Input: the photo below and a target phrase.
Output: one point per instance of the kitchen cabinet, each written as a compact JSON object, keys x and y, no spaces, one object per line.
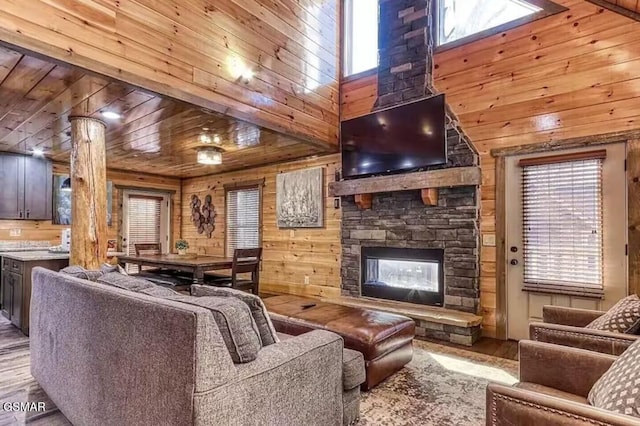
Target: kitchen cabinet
{"x":15,"y":285}
{"x":27,"y":185}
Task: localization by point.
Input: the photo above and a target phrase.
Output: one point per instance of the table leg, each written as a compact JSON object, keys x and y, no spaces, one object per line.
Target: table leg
{"x":198,"y":276}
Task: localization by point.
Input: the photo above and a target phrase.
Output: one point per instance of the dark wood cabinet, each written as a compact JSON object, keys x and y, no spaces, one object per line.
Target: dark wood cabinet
{"x":12,"y":184}
{"x":27,"y":186}
{"x":15,"y":288}
{"x":38,"y":188}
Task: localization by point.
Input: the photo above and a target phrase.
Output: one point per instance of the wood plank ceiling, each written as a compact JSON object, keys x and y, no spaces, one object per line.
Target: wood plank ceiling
{"x":154,"y":134}
{"x":189,"y":49}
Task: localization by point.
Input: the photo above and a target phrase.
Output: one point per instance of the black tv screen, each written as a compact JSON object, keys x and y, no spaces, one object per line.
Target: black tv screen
{"x":410,"y":136}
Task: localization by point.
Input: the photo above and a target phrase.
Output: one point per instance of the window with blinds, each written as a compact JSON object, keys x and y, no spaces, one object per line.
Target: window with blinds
{"x":144,"y":221}
{"x":243,"y":219}
{"x":562,"y":224}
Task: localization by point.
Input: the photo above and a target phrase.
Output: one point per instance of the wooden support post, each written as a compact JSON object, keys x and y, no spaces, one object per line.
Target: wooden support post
{"x":429,"y":196}
{"x":89,"y":193}
{"x":363,"y":201}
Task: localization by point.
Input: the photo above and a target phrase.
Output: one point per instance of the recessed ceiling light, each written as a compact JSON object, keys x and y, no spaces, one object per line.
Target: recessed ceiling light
{"x":111,"y":115}
{"x":38,"y":152}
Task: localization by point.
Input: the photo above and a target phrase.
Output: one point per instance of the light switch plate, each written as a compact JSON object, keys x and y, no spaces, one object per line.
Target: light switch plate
{"x":16,"y":232}
{"x":489,"y":240}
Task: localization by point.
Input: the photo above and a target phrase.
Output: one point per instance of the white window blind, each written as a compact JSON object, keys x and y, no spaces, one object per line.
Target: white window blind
{"x":144,"y":221}
{"x":562,"y":225}
{"x":243,"y":219}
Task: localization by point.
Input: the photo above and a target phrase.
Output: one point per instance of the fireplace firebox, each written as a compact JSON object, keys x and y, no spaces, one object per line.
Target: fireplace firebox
{"x":403,"y":274}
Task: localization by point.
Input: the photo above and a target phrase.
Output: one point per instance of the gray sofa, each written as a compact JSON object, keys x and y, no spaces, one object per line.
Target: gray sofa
{"x":111,"y":357}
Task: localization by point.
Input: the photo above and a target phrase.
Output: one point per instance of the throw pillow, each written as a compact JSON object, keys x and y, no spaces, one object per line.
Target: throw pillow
{"x":623,"y":317}
{"x":618,"y":389}
{"x":105,"y":268}
{"x":80,"y":272}
{"x":126,"y":282}
{"x":258,"y":311}
{"x":236,"y":325}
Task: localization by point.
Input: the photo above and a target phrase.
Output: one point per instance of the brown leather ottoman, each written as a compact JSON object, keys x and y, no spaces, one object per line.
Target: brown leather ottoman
{"x":384,"y":339}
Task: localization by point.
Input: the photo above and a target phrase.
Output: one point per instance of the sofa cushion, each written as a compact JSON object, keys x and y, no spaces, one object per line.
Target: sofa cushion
{"x":82,"y":273}
{"x":238,"y":329}
{"x":623,"y":317}
{"x":105,"y":268}
{"x":353,"y":373}
{"x":126,"y":282}
{"x":258,"y":311}
{"x":618,"y":389}
{"x":158,"y":291}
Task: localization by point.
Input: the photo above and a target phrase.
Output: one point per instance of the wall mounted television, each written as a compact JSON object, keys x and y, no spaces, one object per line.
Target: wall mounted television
{"x":407,"y":137}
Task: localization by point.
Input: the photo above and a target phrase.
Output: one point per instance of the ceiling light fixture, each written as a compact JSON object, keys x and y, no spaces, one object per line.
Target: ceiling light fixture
{"x":216,"y":139}
{"x":111,"y":115}
{"x":209,"y":155}
{"x":204,"y":138}
{"x":38,"y":152}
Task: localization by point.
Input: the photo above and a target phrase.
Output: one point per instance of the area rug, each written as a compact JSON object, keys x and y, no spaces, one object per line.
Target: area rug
{"x":440,"y":386}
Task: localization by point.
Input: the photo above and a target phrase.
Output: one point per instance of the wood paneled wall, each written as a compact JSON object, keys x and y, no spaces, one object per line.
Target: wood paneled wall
{"x":289,"y":254}
{"x":190,"y":49}
{"x":44,"y":230}
{"x":570,"y":75}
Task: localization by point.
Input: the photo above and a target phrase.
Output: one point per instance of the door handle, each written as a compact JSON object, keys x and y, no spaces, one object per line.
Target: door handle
{"x":20,"y":214}
{"x":514,"y":262}
{"x":28,"y":212}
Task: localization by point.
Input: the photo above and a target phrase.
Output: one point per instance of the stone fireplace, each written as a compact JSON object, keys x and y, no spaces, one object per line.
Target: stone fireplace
{"x":400,"y":220}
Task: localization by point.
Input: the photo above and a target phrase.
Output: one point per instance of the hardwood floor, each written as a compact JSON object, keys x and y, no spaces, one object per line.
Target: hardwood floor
{"x":17,"y":385}
{"x":507,"y":349}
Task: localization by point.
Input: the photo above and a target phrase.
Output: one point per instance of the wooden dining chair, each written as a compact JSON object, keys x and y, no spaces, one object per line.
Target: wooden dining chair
{"x":245,"y":261}
{"x":147,"y":248}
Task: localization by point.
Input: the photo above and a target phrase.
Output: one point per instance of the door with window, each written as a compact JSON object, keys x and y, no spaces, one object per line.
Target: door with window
{"x":566,"y":233}
{"x":145,"y":220}
{"x":242,"y":219}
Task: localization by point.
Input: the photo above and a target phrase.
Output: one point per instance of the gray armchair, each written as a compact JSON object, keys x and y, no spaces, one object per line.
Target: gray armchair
{"x":554,"y":384}
{"x":565,"y":326}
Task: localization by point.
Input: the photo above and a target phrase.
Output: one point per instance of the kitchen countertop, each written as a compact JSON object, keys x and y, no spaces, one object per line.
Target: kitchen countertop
{"x":29,"y":256}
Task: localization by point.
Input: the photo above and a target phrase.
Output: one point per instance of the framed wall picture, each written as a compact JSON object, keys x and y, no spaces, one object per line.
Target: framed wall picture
{"x":300,"y":199}
{"x":62,"y":200}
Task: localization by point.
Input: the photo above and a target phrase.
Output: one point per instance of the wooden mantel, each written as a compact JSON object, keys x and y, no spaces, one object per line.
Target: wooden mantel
{"x":455,"y":176}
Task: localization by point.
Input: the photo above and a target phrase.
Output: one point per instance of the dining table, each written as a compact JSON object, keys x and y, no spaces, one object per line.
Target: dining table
{"x":190,"y":263}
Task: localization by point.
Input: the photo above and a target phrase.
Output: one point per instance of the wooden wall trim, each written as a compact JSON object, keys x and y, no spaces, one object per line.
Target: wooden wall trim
{"x":244,"y":184}
{"x":549,"y":8}
{"x":580,"y":142}
{"x":599,"y":154}
{"x":145,"y":189}
{"x":618,"y":9}
{"x":501,"y":255}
